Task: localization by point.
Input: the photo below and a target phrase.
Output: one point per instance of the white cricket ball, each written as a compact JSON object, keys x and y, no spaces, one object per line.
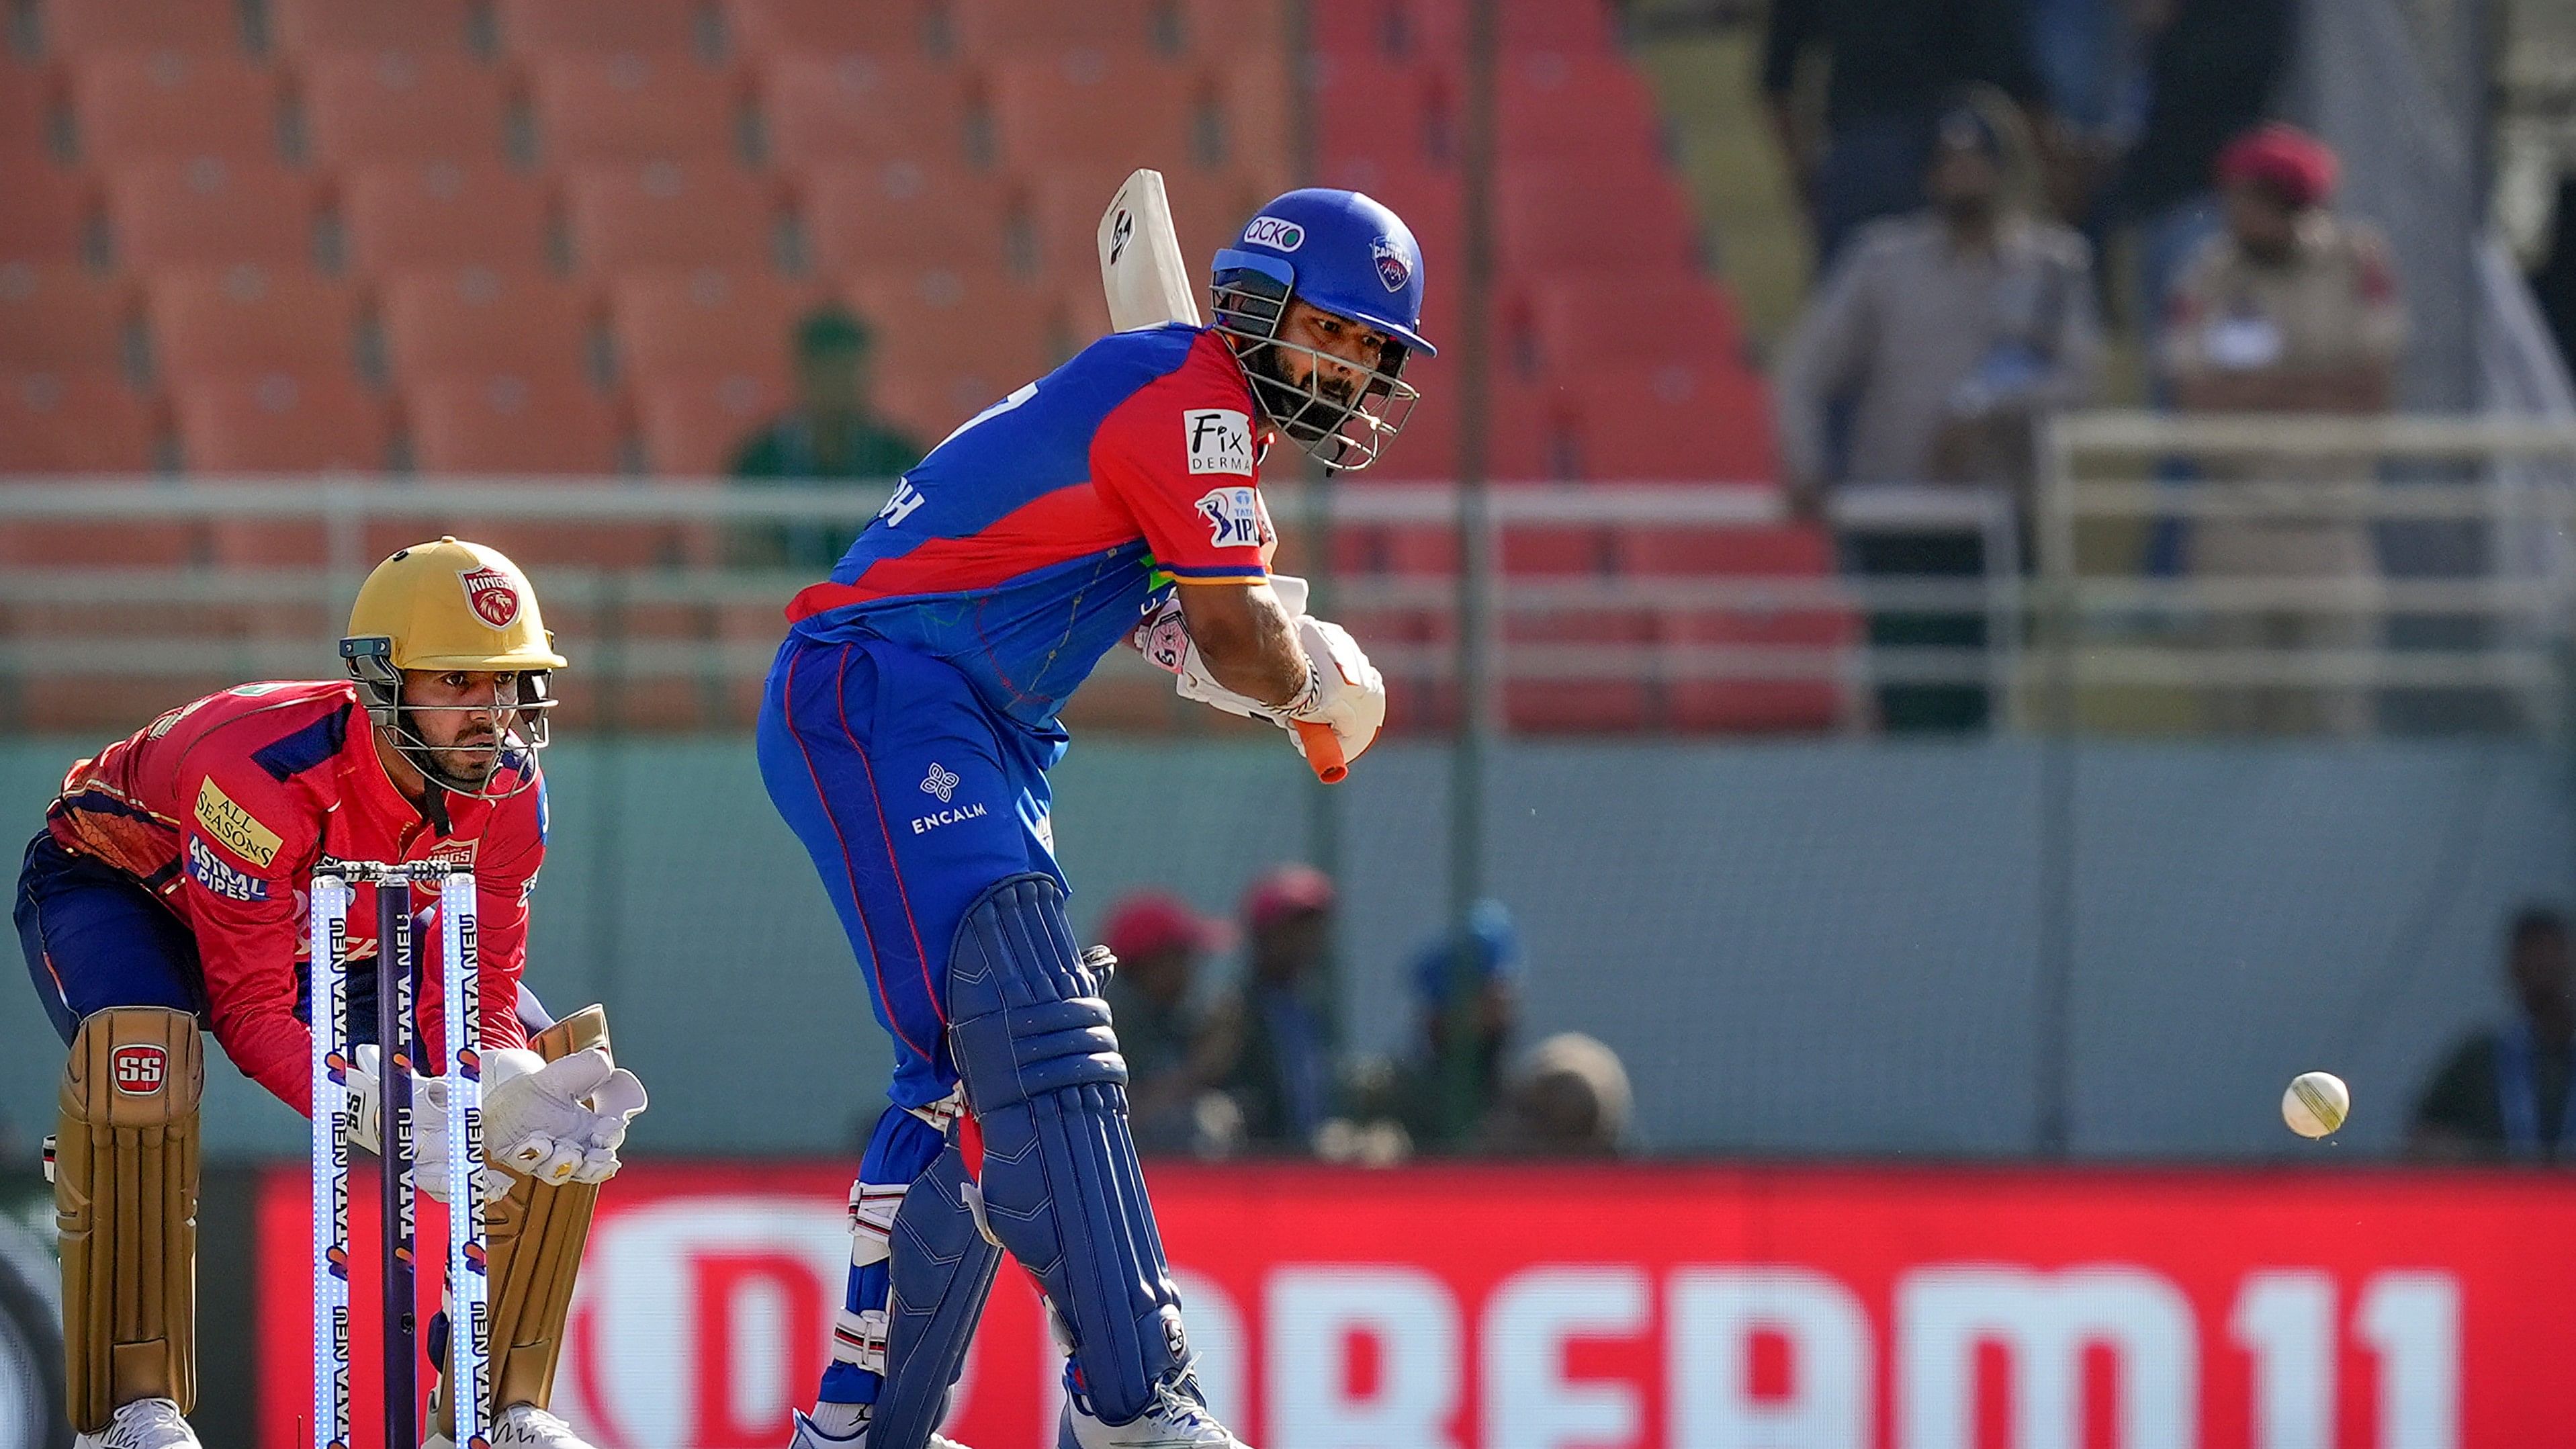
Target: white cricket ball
{"x":2316,"y":1104}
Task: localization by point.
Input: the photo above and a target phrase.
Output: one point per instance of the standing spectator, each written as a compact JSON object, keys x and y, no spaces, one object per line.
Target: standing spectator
{"x":1173,"y":1060}
{"x":1281,"y":1038}
{"x":2505,"y":1095}
{"x":1415,"y":1092}
{"x":834,"y":434}
{"x":1943,"y":333}
{"x":2290,"y":309}
{"x":2213,"y":68}
{"x":1891,"y":64}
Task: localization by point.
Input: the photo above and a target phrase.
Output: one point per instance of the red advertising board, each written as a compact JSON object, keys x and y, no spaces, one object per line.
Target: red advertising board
{"x":1638,"y":1307}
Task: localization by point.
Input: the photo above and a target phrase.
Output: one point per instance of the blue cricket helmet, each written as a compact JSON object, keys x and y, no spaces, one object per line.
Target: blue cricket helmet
{"x":1340,"y":252}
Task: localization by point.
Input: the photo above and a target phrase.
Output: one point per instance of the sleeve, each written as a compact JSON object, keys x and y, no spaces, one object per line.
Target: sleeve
{"x":2382,"y":323}
{"x":1178,"y":456}
{"x":1823,"y":356}
{"x":245,"y":839}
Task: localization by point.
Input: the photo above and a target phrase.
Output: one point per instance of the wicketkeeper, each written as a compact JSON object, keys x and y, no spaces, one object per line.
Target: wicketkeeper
{"x":165,"y":899}
{"x":905,"y":734}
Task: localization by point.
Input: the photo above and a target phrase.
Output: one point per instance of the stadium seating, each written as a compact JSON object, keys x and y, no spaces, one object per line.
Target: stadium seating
{"x":694,"y":425}
{"x":1804,"y":639}
{"x":422,"y":27}
{"x":1589,"y":321}
{"x":27,"y":103}
{"x":399,"y":105}
{"x":1590,"y":109}
{"x":1209,"y":210}
{"x":1112,"y":109}
{"x":1674,"y":424}
{"x":662,"y":213}
{"x":63,"y":318}
{"x":1392,"y":113}
{"x":502,"y":423}
{"x":992,"y":28}
{"x":861,"y":220}
{"x":208,"y":321}
{"x":281,"y":423}
{"x":72,"y":421}
{"x":898,"y":30}
{"x":675,"y":322}
{"x":441,"y":214}
{"x":627,"y":107}
{"x":167,"y":213}
{"x":49,"y":214}
{"x":1568,"y":222}
{"x":600,"y":27}
{"x":164,"y":104}
{"x":860,"y":111}
{"x":79,"y":28}
{"x":482,"y":320}
{"x":983,"y":333}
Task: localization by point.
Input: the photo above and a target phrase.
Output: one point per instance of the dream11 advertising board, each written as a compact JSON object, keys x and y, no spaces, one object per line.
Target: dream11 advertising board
{"x":1634,"y":1307}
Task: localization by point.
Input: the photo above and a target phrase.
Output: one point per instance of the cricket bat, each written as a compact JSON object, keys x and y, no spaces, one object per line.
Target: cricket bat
{"x":1148,"y":284}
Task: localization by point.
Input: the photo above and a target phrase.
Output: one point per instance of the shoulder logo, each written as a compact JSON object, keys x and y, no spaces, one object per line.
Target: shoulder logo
{"x":1275,"y":232}
{"x":493,"y":595}
{"x":941,"y":782}
{"x":1233,"y":517}
{"x":1394,"y":268}
{"x":1218,"y":440}
{"x":234,"y":828}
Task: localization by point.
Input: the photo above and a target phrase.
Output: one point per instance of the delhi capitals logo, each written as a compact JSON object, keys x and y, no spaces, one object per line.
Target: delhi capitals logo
{"x":942,"y":782}
{"x":1393,"y":267}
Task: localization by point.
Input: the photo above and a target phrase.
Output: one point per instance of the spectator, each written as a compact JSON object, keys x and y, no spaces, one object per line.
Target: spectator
{"x":2506,"y":1095}
{"x":2553,"y":282}
{"x":1943,"y":334}
{"x":1891,"y":63}
{"x":1417,"y":1093}
{"x":2290,"y":309}
{"x":2213,"y":68}
{"x":1568,"y":1097}
{"x":834,"y":433}
{"x":1279,"y":1038}
{"x":1173,"y":1060}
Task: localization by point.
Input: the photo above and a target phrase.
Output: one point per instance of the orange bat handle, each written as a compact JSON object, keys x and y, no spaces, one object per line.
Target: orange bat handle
{"x":1323,"y":751}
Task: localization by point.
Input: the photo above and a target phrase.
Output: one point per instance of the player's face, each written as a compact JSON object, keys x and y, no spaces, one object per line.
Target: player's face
{"x":1361,"y":346}
{"x":462,"y":716}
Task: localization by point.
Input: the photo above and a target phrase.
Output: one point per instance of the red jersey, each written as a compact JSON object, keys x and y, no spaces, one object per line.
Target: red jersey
{"x":220,"y":809}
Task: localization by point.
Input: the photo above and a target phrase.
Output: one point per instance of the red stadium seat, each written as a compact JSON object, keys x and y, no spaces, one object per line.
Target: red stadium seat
{"x":509,"y":423}
{"x":1581,"y":109}
{"x":1123,"y":109}
{"x":1788,"y":550}
{"x":1797,"y":642}
{"x":1253,"y":104}
{"x":990,"y":29}
{"x":1439,"y":27}
{"x":1232,"y":30}
{"x":61,"y":318}
{"x":27,"y":101}
{"x":396,"y":105}
{"x":853,"y":110}
{"x":280,"y":423}
{"x":539,"y":27}
{"x":665,"y":215}
{"x":594,"y":109}
{"x":79,"y":28}
{"x":226,"y":320}
{"x":50,"y":214}
{"x":670,"y":323}
{"x":1579,"y":660}
{"x":776,"y":29}
{"x":425,"y":27}
{"x":1650,"y":321}
{"x":440,"y":214}
{"x":1555,"y":550}
{"x":1399,"y":114}
{"x":1529,"y":432}
{"x":694,"y":426}
{"x":206,"y":211}
{"x":901,"y":217}
{"x":976,"y":334}
{"x":481,"y":320}
{"x":1209,"y":210}
{"x":82,"y":421}
{"x":1675,"y":424}
{"x":165,"y":104}
{"x":1569,"y":222}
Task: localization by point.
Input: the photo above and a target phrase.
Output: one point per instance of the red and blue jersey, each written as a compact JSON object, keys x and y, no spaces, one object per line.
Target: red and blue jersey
{"x":1029,"y":543}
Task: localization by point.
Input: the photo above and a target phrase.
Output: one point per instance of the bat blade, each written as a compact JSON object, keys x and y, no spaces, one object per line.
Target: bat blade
{"x":1141,"y":270}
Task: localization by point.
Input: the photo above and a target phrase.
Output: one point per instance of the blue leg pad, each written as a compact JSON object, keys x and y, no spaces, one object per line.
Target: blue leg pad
{"x":941,"y":1266}
{"x":1061,"y":1187}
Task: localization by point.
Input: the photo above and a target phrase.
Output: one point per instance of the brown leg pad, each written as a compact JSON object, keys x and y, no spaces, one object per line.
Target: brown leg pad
{"x":534,"y":1236}
{"x":125,"y":1200}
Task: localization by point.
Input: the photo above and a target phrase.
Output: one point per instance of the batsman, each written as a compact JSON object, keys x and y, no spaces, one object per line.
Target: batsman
{"x":909,"y":722}
{"x":164,"y":901}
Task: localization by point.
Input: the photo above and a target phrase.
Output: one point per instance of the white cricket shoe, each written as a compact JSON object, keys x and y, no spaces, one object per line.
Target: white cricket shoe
{"x":143,"y":1424}
{"x":810,"y":1435}
{"x":1177,"y":1420}
{"x":525,"y":1426}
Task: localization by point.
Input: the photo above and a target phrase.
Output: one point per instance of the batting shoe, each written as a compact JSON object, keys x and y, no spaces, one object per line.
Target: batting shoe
{"x":1177,"y":1420}
{"x":810,"y":1435}
{"x":525,"y":1426}
{"x":143,"y":1424}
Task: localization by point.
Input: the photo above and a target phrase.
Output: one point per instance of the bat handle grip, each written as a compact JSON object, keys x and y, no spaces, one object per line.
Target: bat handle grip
{"x":1323,"y":751}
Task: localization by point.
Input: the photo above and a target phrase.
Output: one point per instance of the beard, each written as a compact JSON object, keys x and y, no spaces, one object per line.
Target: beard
{"x":1307,"y":407}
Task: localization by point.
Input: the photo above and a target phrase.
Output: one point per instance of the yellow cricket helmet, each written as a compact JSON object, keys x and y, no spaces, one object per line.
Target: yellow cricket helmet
{"x":443,"y":606}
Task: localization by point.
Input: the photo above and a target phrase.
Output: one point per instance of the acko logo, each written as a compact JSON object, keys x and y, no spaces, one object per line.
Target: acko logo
{"x":1275,"y":231}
